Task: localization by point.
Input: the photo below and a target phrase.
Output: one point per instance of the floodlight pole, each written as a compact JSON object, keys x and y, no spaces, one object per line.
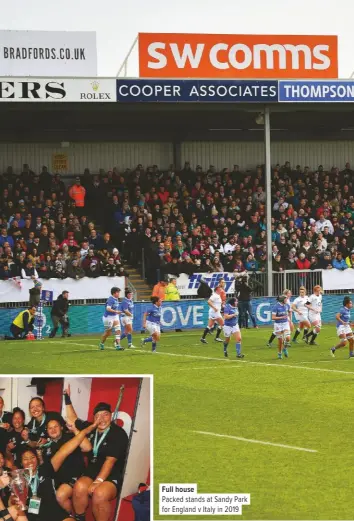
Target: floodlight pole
{"x":268,"y":182}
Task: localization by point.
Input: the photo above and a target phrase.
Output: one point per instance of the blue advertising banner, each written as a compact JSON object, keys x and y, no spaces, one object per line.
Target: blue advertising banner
{"x":184,"y":314}
{"x":316,"y":91}
{"x":234,"y":91}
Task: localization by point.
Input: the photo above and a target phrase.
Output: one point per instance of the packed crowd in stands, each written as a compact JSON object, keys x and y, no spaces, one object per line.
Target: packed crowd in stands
{"x":187,"y":221}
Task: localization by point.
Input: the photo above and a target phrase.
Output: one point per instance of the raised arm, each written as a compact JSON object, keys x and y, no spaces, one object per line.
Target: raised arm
{"x":70,"y":411}
{"x":69,"y":447}
{"x":86,"y":445}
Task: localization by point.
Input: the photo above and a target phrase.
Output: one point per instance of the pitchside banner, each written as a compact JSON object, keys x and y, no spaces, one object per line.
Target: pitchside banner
{"x":186,"y":314}
{"x":338,"y":280}
{"x":188,"y":284}
{"x":48,"y":53}
{"x":197,"y":91}
{"x":340,"y":91}
{"x":57,"y":89}
{"x":17,"y":290}
{"x":237,"y":56}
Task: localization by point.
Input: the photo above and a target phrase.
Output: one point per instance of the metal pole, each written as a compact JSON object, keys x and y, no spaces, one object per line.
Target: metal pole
{"x":124,"y":66}
{"x":268,"y":175}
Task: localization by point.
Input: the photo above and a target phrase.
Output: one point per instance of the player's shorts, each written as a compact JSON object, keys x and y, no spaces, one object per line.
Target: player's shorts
{"x":153,"y":328}
{"x":214,"y":315}
{"x":229,"y":330}
{"x":126,"y":321}
{"x":301,"y":318}
{"x":344,"y":330}
{"x":91,"y":472}
{"x":281,"y":328}
{"x":110,"y":322}
{"x":315,"y":319}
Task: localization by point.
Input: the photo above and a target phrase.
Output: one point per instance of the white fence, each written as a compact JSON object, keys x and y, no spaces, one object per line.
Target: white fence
{"x":83,"y":289}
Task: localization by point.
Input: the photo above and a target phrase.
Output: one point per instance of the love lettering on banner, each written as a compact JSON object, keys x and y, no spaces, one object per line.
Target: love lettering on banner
{"x":237,"y":56}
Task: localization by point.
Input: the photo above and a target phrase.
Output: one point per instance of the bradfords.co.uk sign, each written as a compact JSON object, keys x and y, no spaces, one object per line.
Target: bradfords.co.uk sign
{"x":237,"y":56}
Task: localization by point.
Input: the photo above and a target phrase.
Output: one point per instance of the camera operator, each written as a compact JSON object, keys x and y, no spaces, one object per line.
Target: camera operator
{"x":243,"y":292}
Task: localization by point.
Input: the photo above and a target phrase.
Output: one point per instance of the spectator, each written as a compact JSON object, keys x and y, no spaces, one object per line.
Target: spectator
{"x":77,"y":192}
{"x":350,"y":260}
{"x":75,"y":271}
{"x":29,"y":272}
{"x":339,"y":263}
{"x":302,"y":263}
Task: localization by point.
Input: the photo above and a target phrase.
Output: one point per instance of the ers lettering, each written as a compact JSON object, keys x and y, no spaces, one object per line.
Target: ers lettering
{"x":237,"y":56}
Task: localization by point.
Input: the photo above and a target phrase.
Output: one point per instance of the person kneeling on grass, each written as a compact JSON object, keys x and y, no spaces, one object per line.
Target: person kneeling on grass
{"x":103,"y":477}
{"x":152,"y":323}
{"x":280,"y":315}
{"x":22,"y":324}
{"x":344,"y":330}
{"x":231,"y":327}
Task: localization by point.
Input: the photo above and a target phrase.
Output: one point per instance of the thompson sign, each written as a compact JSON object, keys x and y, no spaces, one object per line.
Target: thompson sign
{"x":48,"y":53}
{"x":237,"y":56}
{"x":57,"y":89}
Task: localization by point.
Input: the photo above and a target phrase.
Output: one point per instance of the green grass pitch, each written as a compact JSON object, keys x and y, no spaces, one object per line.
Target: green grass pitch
{"x":303,"y":402}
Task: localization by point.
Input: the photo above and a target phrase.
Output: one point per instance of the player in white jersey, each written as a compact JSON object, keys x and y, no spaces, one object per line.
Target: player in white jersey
{"x":300,"y":307}
{"x":315,"y":310}
{"x":214,"y":303}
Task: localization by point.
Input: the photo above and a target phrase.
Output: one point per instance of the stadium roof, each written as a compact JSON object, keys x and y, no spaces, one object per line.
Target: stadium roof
{"x":50,"y":122}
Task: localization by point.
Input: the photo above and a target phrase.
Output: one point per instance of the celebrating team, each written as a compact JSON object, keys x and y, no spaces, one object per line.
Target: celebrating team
{"x":60,"y":484}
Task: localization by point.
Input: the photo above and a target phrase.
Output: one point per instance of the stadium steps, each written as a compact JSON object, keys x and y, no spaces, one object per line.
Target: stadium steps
{"x":142,"y":288}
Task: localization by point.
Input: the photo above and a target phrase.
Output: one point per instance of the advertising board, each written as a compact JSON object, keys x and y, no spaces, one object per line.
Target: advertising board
{"x":237,"y":56}
{"x":48,"y":53}
{"x":57,"y":90}
{"x":232,"y":91}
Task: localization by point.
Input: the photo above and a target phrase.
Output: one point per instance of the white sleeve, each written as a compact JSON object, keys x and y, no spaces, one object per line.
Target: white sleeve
{"x":23,"y":274}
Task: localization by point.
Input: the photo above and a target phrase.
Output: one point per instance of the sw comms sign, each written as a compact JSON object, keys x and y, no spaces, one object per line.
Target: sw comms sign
{"x":57,"y":90}
{"x":249,"y":56}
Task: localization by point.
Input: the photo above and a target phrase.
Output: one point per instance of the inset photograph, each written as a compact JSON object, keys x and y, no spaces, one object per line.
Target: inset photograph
{"x":75,"y":448}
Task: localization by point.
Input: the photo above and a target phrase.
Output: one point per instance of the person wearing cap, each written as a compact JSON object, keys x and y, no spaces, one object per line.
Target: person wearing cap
{"x":103,"y":477}
{"x":77,"y":192}
{"x":35,"y":293}
{"x":111,"y":320}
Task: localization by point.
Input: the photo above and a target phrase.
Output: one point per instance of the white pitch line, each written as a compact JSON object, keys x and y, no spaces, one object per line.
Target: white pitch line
{"x":209,"y":367}
{"x":223,"y":360}
{"x":282,"y":446}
